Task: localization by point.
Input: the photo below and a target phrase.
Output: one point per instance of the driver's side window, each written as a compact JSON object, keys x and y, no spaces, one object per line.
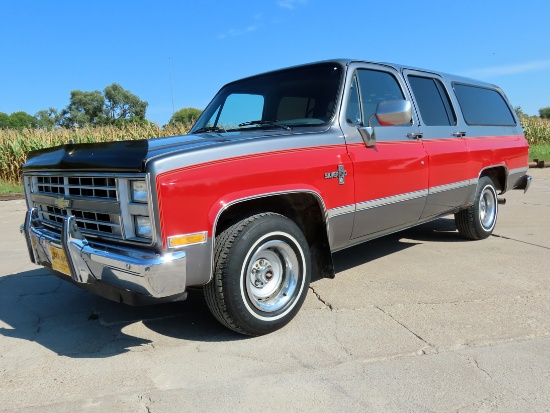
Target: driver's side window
{"x":370,"y":87}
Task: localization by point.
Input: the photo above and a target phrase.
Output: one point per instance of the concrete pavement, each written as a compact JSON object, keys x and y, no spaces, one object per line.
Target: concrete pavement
{"x":420,"y":321}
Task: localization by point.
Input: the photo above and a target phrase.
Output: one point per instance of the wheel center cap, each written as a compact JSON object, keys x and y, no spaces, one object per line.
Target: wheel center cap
{"x":262,"y":272}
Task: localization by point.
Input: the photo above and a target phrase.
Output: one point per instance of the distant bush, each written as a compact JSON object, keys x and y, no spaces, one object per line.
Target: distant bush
{"x":186,"y":116}
{"x":545,"y":113}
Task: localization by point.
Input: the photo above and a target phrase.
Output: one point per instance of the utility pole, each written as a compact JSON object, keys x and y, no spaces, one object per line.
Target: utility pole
{"x":171,"y":87}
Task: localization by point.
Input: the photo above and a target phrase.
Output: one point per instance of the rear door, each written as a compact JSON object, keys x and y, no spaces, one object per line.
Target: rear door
{"x":444,"y":142}
{"x":391,"y":179}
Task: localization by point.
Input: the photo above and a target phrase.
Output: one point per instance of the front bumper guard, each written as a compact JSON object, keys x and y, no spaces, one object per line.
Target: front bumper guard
{"x":139,"y":272}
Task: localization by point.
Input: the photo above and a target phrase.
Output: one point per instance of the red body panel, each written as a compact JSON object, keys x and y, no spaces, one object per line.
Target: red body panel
{"x":449,"y":161}
{"x":512,"y":151}
{"x":186,"y":194}
{"x":389,"y":169}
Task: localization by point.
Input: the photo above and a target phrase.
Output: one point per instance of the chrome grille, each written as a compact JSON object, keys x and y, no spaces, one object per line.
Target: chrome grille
{"x":87,"y":187}
{"x":89,"y":222}
{"x":101,"y":203}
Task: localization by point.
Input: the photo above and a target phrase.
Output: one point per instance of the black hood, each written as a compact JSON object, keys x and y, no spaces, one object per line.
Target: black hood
{"x":123,"y":156}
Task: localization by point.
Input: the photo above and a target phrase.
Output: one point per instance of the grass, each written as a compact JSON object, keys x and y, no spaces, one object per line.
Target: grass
{"x":540,"y":152}
{"x":10,"y":188}
{"x":537,"y":132}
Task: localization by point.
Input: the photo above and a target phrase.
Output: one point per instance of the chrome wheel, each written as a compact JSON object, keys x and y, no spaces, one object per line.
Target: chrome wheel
{"x":478,"y":220}
{"x":272,"y":274}
{"x":487,"y":208}
{"x":261,"y":274}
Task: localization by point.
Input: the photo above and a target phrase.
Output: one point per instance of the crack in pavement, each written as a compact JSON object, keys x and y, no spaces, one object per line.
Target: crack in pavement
{"x":432,"y":303}
{"x":326,"y":303}
{"x":476,"y":363}
{"x":343,"y":347}
{"x":406,"y":328}
{"x":475,"y":300}
{"x":523,"y":242}
{"x":524,"y":297}
{"x":473,"y":361}
{"x":489,"y":402}
{"x":530,"y":203}
{"x":145,"y":401}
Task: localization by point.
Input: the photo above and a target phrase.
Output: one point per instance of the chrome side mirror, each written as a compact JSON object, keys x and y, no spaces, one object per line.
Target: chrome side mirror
{"x":388,"y":113}
{"x":394,"y":112}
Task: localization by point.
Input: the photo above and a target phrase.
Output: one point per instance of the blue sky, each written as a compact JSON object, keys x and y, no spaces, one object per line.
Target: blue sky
{"x":48,"y":48}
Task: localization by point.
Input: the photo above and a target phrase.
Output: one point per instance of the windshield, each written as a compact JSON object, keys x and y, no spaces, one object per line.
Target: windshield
{"x":301,"y":96}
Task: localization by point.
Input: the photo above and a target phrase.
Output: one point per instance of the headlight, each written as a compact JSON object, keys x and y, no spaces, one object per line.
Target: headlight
{"x":139,"y":191}
{"x":143,"y":227}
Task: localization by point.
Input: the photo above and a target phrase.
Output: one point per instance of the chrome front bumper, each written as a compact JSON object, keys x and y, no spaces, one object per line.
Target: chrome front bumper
{"x":128,"y":270}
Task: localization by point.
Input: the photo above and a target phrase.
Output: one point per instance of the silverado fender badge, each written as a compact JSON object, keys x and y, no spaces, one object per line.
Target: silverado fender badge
{"x":62,"y":203}
{"x":340,"y":174}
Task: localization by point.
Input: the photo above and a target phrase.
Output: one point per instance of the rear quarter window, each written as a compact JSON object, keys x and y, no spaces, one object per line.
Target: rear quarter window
{"x":433,"y":101}
{"x":483,"y":106}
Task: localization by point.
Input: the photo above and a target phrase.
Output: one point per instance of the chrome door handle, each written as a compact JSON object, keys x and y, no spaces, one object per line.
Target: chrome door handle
{"x":459,"y":134}
{"x":414,"y":135}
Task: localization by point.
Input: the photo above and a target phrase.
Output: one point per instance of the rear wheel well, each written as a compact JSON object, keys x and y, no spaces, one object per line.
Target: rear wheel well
{"x":498,"y":175}
{"x":304,"y":209}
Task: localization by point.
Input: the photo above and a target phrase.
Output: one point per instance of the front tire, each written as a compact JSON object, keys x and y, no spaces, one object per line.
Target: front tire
{"x":261,"y":274}
{"x":479,"y":220}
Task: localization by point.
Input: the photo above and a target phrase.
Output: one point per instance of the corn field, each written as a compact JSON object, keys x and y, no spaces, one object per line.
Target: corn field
{"x":14,"y":144}
{"x":537,"y":130}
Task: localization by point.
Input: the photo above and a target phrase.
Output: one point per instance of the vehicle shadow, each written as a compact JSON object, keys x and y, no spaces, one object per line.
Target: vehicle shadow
{"x":440,"y":230}
{"x":38,"y":307}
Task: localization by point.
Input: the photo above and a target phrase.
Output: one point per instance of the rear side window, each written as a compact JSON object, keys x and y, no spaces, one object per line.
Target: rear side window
{"x":433,"y":102}
{"x":482,"y":106}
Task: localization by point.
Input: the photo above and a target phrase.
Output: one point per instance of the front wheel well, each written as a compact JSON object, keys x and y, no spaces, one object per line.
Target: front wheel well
{"x":305,"y":209}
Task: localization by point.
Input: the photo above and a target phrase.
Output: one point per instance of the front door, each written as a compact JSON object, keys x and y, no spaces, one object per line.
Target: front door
{"x":391,"y":178}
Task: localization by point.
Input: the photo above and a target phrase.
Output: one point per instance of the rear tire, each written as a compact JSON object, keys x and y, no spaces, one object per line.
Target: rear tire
{"x":479,"y":220}
{"x":261,"y":274}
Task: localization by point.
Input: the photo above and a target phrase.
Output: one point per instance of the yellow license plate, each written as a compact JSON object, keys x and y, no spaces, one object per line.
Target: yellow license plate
{"x":59,"y":260}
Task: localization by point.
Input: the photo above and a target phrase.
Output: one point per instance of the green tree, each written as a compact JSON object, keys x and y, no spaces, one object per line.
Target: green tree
{"x":121,"y":104}
{"x":84,"y":108}
{"x":519,"y":111}
{"x":4,"y":120}
{"x":21,"y":120}
{"x":187,"y":116}
{"x":545,"y":112}
{"x":47,"y":118}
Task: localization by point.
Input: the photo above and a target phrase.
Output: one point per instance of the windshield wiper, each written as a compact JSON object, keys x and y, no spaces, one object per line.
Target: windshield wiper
{"x":265,"y":123}
{"x":210,"y":129}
